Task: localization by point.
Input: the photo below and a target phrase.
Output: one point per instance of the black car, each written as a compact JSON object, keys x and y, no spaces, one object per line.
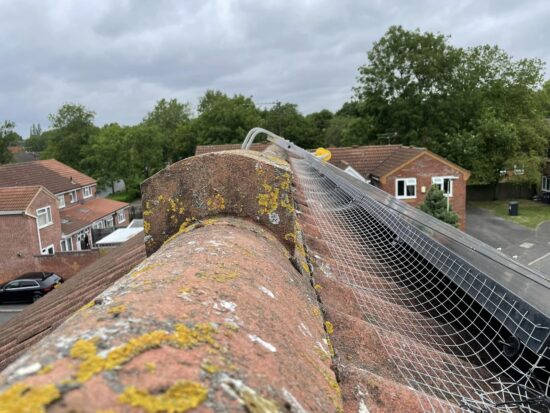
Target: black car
{"x":29,"y":287}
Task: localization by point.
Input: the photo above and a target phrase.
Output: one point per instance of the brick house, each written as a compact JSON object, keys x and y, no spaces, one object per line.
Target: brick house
{"x":46,"y":208}
{"x":406,"y":172}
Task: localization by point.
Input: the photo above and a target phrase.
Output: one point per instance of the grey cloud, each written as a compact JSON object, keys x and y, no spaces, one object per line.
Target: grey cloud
{"x":119,"y":57}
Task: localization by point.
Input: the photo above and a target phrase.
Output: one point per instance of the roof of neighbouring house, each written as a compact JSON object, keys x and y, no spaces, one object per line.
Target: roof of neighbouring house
{"x":81,"y":215}
{"x":380,"y":160}
{"x":202,"y":149}
{"x":42,"y":317}
{"x":51,"y":174}
{"x":18,"y":198}
{"x":119,"y":236}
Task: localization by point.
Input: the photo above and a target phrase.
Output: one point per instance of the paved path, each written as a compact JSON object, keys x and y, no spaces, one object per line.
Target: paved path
{"x":8,"y":311}
{"x":531,"y":247}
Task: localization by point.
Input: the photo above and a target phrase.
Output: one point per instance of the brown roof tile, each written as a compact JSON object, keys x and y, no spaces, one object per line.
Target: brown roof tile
{"x":81,"y":215}
{"x":202,"y":149}
{"x":17,"y":198}
{"x":51,"y":174}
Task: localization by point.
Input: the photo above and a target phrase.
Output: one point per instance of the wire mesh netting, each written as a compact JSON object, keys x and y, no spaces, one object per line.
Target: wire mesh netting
{"x":453,"y":333}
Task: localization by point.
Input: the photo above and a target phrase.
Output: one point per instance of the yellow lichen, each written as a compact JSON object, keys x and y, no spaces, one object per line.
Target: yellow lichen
{"x":315,"y":311}
{"x":255,"y":403}
{"x":183,"y":337}
{"x":146,"y":226}
{"x":90,"y":304}
{"x":116,"y":310}
{"x":151,"y":367}
{"x":268,"y":201}
{"x":180,"y":397}
{"x":285,"y":182}
{"x":21,"y":398}
{"x":217,"y":203}
{"x":46,"y":369}
{"x":287,"y":203}
{"x":330,"y":347}
{"x":329,"y":327}
{"x":147,"y":212}
{"x":322,"y":354}
{"x":317,"y":287}
{"x":210,"y":367}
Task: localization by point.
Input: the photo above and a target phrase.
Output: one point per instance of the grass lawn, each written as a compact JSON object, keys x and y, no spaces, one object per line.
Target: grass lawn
{"x":128,"y":196}
{"x":530,"y":213}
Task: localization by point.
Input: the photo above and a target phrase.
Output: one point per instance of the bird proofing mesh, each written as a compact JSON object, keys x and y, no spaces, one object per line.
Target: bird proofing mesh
{"x":454,"y":333}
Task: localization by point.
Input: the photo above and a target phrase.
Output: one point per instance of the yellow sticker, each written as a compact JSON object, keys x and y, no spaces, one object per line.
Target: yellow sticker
{"x":323,"y":154}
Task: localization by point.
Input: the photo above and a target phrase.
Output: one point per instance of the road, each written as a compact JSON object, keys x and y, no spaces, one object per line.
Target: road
{"x":530,"y":247}
{"x":8,"y":311}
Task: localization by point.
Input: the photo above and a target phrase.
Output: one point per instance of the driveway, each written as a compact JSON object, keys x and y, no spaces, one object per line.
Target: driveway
{"x":530,"y":247}
{"x":8,"y":311}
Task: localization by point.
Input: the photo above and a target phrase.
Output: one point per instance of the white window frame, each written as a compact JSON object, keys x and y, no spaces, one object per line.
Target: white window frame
{"x":87,"y":192}
{"x":44,"y":211}
{"x":61,"y":200}
{"x":66,"y":244}
{"x":440,"y":182}
{"x":109,"y":222}
{"x":406,"y":182}
{"x":545,"y":187}
{"x":121,"y":216}
{"x":74,"y":196}
{"x":46,"y":250}
{"x":97,"y":225}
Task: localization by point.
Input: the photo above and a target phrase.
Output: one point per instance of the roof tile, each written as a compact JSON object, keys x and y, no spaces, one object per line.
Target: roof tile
{"x":81,"y":215}
{"x":17,"y":198}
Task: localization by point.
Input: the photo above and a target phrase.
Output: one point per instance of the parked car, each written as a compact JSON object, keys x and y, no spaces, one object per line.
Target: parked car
{"x":29,"y":287}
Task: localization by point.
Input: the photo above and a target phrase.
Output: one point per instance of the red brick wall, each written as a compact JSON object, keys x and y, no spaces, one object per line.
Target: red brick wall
{"x":66,"y":264}
{"x":423,"y":169}
{"x":18,"y":236}
{"x":126,"y":221}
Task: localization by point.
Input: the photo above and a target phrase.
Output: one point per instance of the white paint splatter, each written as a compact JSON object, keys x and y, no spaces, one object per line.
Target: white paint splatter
{"x":228,"y":305}
{"x":265,"y":344}
{"x":295,"y":404}
{"x":362,"y":407}
{"x":30,"y":369}
{"x":305,"y":331}
{"x":274,"y":218}
{"x":215,"y":243}
{"x":266,"y":291}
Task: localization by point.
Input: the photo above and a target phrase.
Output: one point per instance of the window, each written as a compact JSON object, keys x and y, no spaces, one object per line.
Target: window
{"x":109,"y":222}
{"x":49,"y":250}
{"x":44,"y":217}
{"x":405,"y":188}
{"x":67,"y":244}
{"x":28,"y":283}
{"x":98,"y":225}
{"x":444,"y":183}
{"x":546,"y":184}
{"x":74,"y":196}
{"x":87,"y":191}
{"x":121,"y":216}
{"x":13,"y":284}
{"x":61,"y":201}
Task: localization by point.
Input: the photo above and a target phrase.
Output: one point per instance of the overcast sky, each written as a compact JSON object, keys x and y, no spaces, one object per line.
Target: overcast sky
{"x":119,"y":57}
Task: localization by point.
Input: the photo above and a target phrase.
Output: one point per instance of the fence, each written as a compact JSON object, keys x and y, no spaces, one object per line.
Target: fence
{"x":500,"y":192}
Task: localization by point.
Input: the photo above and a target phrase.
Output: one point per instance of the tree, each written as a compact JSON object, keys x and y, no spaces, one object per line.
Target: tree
{"x":107,"y":155}
{"x":477,"y":106}
{"x":6,"y":140}
{"x":223,"y":119}
{"x":172,"y":118}
{"x":285,"y":120}
{"x":72,"y":130}
{"x":435,"y":204}
{"x":144,"y":143}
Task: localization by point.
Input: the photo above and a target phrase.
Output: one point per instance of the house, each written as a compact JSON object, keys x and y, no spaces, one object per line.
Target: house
{"x":19,"y":154}
{"x":404,"y":171}
{"x":235,"y":313}
{"x":47,"y":208}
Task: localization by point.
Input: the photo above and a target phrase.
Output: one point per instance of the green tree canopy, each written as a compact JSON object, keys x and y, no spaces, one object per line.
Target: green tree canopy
{"x":285,"y":120}
{"x":435,"y":204}
{"x":172,"y":119}
{"x":223,"y":119}
{"x":477,"y":106}
{"x":72,"y":130}
{"x":6,"y":140}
